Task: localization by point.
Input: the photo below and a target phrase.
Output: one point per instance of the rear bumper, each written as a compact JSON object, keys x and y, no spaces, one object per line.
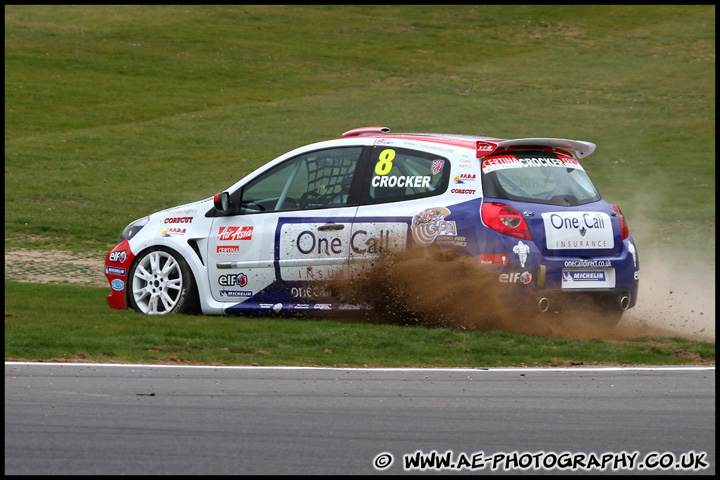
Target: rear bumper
{"x":616,"y":299}
{"x":610,"y":282}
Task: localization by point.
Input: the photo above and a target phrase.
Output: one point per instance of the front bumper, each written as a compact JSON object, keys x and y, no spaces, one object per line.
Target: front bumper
{"x":117,"y":269}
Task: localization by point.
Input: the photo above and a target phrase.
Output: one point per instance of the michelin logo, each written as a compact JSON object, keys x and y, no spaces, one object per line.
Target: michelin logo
{"x":522,"y":251}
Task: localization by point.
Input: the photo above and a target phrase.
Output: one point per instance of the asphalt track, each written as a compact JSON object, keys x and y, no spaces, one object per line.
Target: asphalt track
{"x":140,"y":419}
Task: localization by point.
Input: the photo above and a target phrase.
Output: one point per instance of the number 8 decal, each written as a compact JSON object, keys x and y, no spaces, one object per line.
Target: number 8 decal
{"x":384,"y":164}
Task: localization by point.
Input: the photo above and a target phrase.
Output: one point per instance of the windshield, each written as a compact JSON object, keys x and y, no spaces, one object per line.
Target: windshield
{"x":539,"y":177}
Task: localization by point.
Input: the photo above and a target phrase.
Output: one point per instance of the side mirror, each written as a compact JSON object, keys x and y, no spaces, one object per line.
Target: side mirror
{"x":222,"y":202}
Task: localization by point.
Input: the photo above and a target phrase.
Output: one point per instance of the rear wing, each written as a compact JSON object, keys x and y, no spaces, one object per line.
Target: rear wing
{"x":579,"y":148}
{"x":489,"y":145}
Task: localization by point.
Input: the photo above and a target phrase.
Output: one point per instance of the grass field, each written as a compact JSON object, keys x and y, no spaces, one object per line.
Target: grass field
{"x":113,"y":112}
{"x":77,"y":326}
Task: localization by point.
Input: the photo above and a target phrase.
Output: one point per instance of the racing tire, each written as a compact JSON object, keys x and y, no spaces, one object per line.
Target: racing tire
{"x":161,"y":282}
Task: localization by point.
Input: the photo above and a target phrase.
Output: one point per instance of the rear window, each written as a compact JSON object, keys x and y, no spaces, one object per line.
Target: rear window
{"x":539,"y":177}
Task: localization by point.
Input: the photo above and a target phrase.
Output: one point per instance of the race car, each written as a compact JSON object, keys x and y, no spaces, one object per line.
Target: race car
{"x":524,"y":210}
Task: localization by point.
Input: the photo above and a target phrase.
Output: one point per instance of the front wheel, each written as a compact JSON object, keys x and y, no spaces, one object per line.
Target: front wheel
{"x":161,"y":282}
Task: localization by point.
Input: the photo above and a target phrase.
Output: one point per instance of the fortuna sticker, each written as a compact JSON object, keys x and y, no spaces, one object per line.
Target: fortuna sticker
{"x":428,"y":224}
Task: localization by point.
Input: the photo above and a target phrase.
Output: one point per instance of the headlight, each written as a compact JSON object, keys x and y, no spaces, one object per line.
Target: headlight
{"x":130,"y":231}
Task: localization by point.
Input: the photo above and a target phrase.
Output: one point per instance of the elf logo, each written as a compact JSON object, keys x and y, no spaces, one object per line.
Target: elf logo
{"x":231,"y":280}
{"x":119,"y":257}
{"x":516,"y":277}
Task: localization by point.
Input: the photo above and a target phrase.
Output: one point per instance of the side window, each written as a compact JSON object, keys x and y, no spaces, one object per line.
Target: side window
{"x":401,"y":174}
{"x":312,"y":180}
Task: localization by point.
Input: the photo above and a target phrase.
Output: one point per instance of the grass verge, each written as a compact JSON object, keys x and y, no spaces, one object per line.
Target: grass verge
{"x":74,"y":324}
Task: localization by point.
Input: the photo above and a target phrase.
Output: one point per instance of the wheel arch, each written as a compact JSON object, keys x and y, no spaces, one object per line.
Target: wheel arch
{"x":186,"y":253}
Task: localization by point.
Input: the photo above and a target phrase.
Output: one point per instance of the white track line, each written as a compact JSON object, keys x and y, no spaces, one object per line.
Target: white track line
{"x":368,"y":369}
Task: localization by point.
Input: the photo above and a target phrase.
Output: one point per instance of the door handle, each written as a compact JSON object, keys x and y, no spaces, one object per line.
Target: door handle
{"x":331,"y":226}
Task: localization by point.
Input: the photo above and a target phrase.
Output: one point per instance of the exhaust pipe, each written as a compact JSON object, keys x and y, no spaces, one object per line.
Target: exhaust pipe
{"x":623,"y":302}
{"x":544,"y":304}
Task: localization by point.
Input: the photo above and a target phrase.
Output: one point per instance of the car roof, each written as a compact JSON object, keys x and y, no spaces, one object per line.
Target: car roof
{"x":483,"y":145}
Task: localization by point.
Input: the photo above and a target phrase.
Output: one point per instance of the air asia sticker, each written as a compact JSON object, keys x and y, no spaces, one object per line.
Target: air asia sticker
{"x":428,"y":224}
{"x":511,"y":161}
{"x":230,"y":234}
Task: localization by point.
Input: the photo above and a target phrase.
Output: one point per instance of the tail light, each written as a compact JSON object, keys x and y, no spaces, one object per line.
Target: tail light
{"x":505,"y":219}
{"x":624,"y":230}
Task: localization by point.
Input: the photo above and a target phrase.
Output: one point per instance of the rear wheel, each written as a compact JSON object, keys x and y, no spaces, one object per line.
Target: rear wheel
{"x":611,"y":308}
{"x":610,"y":318}
{"x":603,"y":310}
{"x":161,"y":282}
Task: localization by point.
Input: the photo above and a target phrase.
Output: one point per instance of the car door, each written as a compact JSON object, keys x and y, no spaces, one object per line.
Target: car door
{"x":290,"y":232}
{"x":399,"y":204}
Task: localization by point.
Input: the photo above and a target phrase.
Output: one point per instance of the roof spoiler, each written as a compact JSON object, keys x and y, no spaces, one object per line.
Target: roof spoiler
{"x":579,"y":148}
{"x":366,"y":131}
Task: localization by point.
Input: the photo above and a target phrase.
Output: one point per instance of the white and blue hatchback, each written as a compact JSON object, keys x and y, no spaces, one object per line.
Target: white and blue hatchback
{"x":524,"y":210}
